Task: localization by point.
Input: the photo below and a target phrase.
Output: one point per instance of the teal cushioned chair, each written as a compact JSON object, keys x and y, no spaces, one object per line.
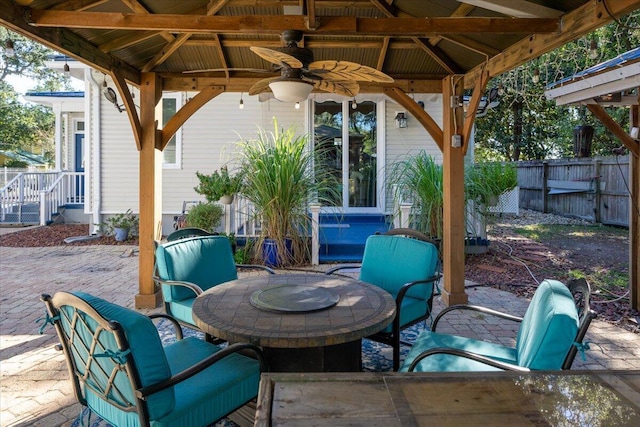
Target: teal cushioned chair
{"x":550,"y":332}
{"x":406,"y":268}
{"x":121,"y":371}
{"x":187,"y":267}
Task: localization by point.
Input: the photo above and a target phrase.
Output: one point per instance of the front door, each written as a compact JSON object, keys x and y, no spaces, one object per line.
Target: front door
{"x":349,"y":149}
{"x":78,"y":181}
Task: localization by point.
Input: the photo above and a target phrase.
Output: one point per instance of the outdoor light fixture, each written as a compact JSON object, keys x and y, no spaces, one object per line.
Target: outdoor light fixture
{"x":536,"y":75}
{"x":500,"y":89}
{"x":9,"y":51}
{"x":241,"y":104}
{"x":67,"y":70}
{"x":401,"y":119}
{"x":297,"y":106}
{"x":593,"y":49}
{"x":354,"y":104}
{"x":291,"y":90}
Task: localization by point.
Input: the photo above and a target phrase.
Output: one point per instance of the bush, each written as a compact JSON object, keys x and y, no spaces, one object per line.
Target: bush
{"x":218,"y":184}
{"x":205,"y":215}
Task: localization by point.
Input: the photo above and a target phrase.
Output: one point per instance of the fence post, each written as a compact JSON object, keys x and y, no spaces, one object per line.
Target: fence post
{"x":545,"y":176}
{"x":405,"y":215}
{"x":43,"y":207}
{"x":597,"y":195}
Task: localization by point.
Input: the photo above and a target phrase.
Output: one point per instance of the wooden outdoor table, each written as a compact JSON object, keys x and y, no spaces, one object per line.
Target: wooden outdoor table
{"x":576,"y":398}
{"x":308,"y":340}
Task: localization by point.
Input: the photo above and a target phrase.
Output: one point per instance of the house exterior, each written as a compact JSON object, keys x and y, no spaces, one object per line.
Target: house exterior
{"x":94,"y":135}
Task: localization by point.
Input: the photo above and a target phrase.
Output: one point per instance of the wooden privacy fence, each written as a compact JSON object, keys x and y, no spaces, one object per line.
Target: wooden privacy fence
{"x":595,"y":189}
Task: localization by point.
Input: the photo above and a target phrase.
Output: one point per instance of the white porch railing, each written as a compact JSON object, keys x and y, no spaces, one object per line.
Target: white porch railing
{"x":68,"y":188}
{"x":53,"y":189}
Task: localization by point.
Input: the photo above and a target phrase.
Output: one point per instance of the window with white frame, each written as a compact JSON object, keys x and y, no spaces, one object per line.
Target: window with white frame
{"x":170,"y":104}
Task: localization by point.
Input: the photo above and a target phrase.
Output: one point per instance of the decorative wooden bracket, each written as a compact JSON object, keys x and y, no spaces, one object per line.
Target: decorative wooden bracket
{"x":418,"y":112}
{"x":187,"y":110}
{"x":130,"y":107}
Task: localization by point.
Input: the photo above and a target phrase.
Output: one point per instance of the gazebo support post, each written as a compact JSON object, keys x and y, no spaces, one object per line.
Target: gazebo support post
{"x":453,"y":183}
{"x":150,"y":190}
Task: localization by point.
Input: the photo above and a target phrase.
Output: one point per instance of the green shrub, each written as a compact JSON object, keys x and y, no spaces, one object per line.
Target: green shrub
{"x":205,"y":215}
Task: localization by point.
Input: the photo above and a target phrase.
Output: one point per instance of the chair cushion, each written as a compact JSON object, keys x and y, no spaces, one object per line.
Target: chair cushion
{"x":206,"y":261}
{"x":549,"y":327}
{"x":428,"y":340}
{"x":148,"y":355}
{"x":411,"y":309}
{"x":182,"y":310}
{"x":213,"y":393}
{"x":392,"y":261}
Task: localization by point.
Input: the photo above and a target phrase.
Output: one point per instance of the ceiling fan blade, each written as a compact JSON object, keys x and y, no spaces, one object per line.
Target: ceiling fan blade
{"x":213,"y":70}
{"x":348,"y":88}
{"x":276,"y":57}
{"x":261,"y":85}
{"x":345,"y":70}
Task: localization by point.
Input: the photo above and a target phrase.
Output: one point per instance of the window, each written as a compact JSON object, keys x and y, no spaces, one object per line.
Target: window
{"x":172,"y":152}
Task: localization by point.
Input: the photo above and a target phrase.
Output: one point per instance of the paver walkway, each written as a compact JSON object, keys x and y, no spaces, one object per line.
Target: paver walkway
{"x":34,"y":384}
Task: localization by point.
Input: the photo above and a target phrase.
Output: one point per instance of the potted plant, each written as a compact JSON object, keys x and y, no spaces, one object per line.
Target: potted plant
{"x":219,"y":185}
{"x":418,"y":179}
{"x":121,"y":224}
{"x":279,"y":181}
{"x":206,"y":216}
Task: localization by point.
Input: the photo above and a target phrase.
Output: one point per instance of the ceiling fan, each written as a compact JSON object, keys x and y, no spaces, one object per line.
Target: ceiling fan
{"x":300,"y":74}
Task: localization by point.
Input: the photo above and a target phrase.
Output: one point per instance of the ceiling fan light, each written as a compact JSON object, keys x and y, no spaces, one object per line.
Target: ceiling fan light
{"x":291,"y":90}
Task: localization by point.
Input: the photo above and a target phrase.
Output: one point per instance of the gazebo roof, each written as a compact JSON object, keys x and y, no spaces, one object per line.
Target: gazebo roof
{"x":417,"y":43}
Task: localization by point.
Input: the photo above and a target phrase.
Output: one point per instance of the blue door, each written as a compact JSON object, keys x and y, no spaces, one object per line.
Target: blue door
{"x":78,"y":182}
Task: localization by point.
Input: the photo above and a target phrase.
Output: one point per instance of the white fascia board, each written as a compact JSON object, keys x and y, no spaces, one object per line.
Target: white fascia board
{"x":592,"y":92}
{"x":621,"y":75}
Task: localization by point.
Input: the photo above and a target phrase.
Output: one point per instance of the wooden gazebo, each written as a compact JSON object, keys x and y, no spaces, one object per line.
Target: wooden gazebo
{"x":443,"y":46}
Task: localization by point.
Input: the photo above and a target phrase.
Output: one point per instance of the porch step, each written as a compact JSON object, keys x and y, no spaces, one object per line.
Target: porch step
{"x":342,"y":237}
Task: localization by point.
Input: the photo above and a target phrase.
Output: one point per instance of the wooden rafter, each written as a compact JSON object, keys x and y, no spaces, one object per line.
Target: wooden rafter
{"x":64,"y":41}
{"x":78,"y":5}
{"x":516,"y":8}
{"x":136,"y":7}
{"x":442,"y":59}
{"x":172,"y":46}
{"x":310,"y":12}
{"x":574,"y":24}
{"x":383,"y":53}
{"x":462,"y":10}
{"x":345,"y":25}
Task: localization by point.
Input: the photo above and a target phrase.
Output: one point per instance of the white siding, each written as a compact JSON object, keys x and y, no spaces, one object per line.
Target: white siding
{"x":210,"y":136}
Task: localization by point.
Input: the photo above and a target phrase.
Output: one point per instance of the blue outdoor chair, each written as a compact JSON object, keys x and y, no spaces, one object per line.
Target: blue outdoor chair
{"x":122,"y":373}
{"x":187,"y":267}
{"x":406,"y":268}
{"x":550,"y":334}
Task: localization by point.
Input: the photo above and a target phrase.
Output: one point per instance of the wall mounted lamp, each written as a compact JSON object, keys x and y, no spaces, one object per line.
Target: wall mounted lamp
{"x":401,"y":119}
{"x":241,"y":104}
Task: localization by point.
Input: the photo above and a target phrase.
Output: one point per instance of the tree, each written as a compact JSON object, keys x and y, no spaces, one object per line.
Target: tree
{"x":526,"y":125}
{"x":25,"y":126}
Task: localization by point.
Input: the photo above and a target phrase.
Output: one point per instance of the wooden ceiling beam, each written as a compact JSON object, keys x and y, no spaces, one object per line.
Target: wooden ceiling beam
{"x":65,"y":42}
{"x":339,"y":25}
{"x":576,"y":23}
{"x":137,"y":8}
{"x":188,"y":83}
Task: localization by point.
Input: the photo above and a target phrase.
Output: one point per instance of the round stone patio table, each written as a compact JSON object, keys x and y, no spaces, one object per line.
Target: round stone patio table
{"x":312,"y":340}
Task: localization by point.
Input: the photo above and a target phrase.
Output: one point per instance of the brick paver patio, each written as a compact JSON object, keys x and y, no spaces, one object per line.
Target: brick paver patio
{"x":34,"y":384}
